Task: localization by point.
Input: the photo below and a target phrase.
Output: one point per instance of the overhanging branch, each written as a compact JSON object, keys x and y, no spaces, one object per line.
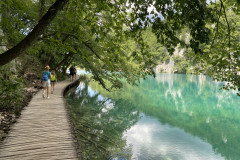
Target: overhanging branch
{"x":74,"y":36}
{"x":217,"y":28}
{"x":29,"y":40}
{"x":229,"y":31}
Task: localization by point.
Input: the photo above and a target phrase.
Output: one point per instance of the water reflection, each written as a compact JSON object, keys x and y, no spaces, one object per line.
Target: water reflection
{"x":100,"y":123}
{"x":194,"y":107}
{"x":152,"y":140}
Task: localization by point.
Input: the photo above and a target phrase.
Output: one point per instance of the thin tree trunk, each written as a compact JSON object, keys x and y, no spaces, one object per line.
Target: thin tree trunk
{"x":29,"y":40}
{"x":42,"y":7}
{"x":64,"y":61}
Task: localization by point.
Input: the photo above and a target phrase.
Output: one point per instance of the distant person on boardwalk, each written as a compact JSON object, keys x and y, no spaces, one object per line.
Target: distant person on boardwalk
{"x":46,"y":76}
{"x":71,"y":70}
{"x":53,"y":80}
{"x":74,"y":72}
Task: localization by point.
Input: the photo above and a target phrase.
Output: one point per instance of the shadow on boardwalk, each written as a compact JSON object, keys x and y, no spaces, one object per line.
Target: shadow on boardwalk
{"x":43,"y":130}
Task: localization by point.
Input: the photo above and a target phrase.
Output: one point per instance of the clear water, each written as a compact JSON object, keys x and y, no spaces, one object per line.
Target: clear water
{"x":171,"y":117}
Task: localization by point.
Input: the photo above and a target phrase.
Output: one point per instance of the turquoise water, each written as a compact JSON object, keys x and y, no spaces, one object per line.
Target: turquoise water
{"x":171,"y":117}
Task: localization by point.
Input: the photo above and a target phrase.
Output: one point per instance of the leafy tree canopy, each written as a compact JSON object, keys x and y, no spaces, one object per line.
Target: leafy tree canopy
{"x":90,"y":33}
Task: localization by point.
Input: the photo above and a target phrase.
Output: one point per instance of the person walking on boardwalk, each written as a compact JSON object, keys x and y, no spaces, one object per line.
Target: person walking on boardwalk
{"x":74,"y":72}
{"x":71,"y":70}
{"x":46,"y":76}
{"x":53,"y":80}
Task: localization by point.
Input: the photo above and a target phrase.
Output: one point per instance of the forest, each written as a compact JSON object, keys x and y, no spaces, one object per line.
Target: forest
{"x":114,"y":39}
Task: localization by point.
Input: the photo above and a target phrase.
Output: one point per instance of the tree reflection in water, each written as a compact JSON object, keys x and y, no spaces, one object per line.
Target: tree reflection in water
{"x":189,"y":102}
{"x":100,"y":123}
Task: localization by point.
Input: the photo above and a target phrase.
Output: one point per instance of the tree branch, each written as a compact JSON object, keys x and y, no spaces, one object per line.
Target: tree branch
{"x":41,"y":10}
{"x":96,"y":75}
{"x":217,"y":28}
{"x":29,"y":40}
{"x":87,"y":45}
{"x":229,"y":31}
{"x":46,"y":36}
{"x":74,"y":36}
{"x":65,"y":59}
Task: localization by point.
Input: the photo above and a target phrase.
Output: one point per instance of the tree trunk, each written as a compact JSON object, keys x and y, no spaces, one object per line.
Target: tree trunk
{"x":41,"y":10}
{"x":29,"y":40}
{"x":64,"y":61}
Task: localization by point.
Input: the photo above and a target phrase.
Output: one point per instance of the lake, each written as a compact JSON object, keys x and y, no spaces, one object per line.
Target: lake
{"x":170,"y":117}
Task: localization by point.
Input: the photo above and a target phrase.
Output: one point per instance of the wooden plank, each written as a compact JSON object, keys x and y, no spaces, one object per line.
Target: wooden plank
{"x":42,"y":131}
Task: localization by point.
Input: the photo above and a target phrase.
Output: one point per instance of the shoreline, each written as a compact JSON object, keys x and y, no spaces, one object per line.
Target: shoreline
{"x":73,"y":131}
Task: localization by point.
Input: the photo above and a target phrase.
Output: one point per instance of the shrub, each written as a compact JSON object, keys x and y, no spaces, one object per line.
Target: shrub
{"x":11,"y":92}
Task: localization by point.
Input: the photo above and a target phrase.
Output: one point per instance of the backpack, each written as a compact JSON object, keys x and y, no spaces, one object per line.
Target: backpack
{"x":45,"y":76}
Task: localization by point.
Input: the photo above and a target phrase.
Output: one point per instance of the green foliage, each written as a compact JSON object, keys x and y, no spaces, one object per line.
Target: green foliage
{"x":107,"y":38}
{"x":14,"y":79}
{"x":95,"y":30}
{"x":167,"y":21}
{"x":221,"y":57}
{"x":157,"y":50}
{"x":16,"y":20}
{"x":180,"y":64}
{"x":11,"y":91}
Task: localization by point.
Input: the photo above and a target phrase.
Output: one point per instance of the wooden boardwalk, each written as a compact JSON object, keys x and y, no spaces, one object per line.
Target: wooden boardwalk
{"x":43,"y":130}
